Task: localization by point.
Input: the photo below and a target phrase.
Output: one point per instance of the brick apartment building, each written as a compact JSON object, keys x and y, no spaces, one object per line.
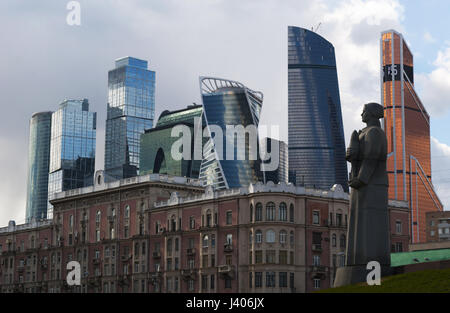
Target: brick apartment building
{"x":158,"y":233}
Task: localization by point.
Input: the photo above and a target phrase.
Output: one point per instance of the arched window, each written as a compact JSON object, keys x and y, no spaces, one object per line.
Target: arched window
{"x":270,"y":236}
{"x":208,"y":218}
{"x":258,"y":212}
{"x":333,"y":240}
{"x":251,"y":212}
{"x":282,"y":213}
{"x":258,"y":236}
{"x":291,"y":213}
{"x":205,"y":241}
{"x":173,"y":223}
{"x":291,"y":237}
{"x":270,"y":211}
{"x":283,"y":236}
{"x":342,"y":241}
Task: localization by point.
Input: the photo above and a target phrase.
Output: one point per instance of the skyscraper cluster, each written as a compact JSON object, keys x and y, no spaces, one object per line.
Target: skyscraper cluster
{"x":62,"y":143}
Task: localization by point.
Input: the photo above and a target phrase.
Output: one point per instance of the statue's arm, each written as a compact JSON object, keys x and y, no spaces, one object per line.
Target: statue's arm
{"x":371,"y":153}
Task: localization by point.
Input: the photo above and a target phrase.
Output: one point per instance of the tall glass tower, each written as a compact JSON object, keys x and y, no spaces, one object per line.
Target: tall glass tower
{"x":229,"y":103}
{"x":72,"y":149}
{"x":315,"y":130}
{"x":38,"y":165}
{"x":131,"y":109}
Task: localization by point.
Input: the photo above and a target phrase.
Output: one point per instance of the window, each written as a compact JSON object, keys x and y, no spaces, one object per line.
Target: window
{"x":316,"y":260}
{"x":227,"y":282}
{"x":229,"y":217}
{"x":205,"y":241}
{"x":205,"y":260}
{"x":270,"y":279}
{"x":97,"y":235}
{"x":282,"y":216}
{"x":339,"y":219}
{"x":191,"y":222}
{"x":191,"y":285}
{"x":342,"y":241}
{"x":229,"y":239}
{"x":173,"y":223}
{"x":258,"y":212}
{"x":169,"y":246}
{"x":127,"y":211}
{"x":291,"y":238}
{"x":398,"y":227}
{"x":213,"y":260}
{"x":283,"y":236}
{"x":432,"y":233}
{"x":283,"y":257}
{"x":250,"y":280}
{"x":398,"y":247}
{"x":258,"y":257}
{"x":270,"y":256}
{"x":71,"y":221}
{"x":316,"y":283}
{"x":316,"y":217}
{"x":270,"y":236}
{"x":251,"y":212}
{"x":177,"y":244}
{"x":333,"y":240}
{"x":208,"y":218}
{"x":258,"y":279}
{"x":213,"y":241}
{"x":291,"y":213}
{"x":98,"y":217}
{"x":212,"y":282}
{"x":282,"y":279}
{"x":270,"y":211}
{"x":258,"y":236}
{"x":204,"y":282}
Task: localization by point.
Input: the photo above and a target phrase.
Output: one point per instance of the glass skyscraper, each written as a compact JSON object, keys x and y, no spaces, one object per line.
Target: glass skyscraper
{"x":279,"y":175}
{"x":229,"y":103}
{"x":38,"y":165}
{"x":131,"y":107}
{"x":315,"y":130}
{"x":72,"y":148}
{"x":157,"y":143}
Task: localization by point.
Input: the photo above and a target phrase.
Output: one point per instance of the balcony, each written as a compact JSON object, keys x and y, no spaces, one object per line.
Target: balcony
{"x":156,"y":254}
{"x":228,"y":247}
{"x":190,"y":251}
{"x":317,"y":247}
{"x":319,"y":269}
{"x":226,"y":271}
{"x":189,"y":274}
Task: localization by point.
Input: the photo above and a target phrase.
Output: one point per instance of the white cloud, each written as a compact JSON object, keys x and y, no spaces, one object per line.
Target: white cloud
{"x":428,"y":37}
{"x":440,"y":160}
{"x":434,"y":87}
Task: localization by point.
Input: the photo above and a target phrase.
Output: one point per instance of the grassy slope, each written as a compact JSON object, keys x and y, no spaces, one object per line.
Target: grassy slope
{"x":423,"y":281}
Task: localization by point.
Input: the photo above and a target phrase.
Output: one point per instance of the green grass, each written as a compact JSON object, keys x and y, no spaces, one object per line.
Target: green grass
{"x":428,"y":281}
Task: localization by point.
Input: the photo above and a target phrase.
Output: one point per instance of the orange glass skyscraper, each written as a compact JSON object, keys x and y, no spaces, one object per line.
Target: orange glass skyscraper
{"x":407,"y":126}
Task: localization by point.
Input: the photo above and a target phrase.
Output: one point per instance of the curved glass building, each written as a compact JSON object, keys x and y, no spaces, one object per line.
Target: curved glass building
{"x":231,"y":156}
{"x":38,"y":165}
{"x":315,"y":130}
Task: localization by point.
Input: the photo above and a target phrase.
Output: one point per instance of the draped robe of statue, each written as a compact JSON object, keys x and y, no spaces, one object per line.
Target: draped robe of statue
{"x":368,"y":238}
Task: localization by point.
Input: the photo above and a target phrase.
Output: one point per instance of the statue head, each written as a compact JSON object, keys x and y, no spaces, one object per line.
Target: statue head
{"x":372,"y":112}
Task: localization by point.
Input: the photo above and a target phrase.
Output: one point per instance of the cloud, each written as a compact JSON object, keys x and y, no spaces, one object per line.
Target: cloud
{"x":43,"y":60}
{"x":434,"y":87}
{"x":428,"y":37}
{"x":440,"y":160}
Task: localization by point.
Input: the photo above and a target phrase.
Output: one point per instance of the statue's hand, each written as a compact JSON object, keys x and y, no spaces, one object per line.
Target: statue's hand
{"x":355,"y":183}
{"x":348,"y":154}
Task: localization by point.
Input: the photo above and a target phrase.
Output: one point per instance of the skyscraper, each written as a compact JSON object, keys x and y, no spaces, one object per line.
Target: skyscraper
{"x":315,"y":130}
{"x":72,"y":147}
{"x":156,"y":144}
{"x":230,"y":110}
{"x":407,"y":126}
{"x":281,"y":173}
{"x":131,"y":107}
{"x":38,"y":165}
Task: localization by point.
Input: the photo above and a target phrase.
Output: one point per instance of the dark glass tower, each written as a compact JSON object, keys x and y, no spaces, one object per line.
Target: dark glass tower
{"x":131,"y":107}
{"x":315,"y":130}
{"x":229,"y":103}
{"x":72,"y":149}
{"x":38,"y":165}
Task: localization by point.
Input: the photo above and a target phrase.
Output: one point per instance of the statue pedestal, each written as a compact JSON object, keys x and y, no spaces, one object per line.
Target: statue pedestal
{"x":353,"y":274}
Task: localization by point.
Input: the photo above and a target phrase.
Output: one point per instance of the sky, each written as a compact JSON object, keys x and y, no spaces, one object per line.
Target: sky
{"x":43,"y":61}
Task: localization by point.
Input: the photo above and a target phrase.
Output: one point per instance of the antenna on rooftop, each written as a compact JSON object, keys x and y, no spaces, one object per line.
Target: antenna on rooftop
{"x":312,"y":28}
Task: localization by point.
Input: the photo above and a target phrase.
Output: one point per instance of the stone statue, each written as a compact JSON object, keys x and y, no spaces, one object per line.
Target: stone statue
{"x":368,"y":227}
